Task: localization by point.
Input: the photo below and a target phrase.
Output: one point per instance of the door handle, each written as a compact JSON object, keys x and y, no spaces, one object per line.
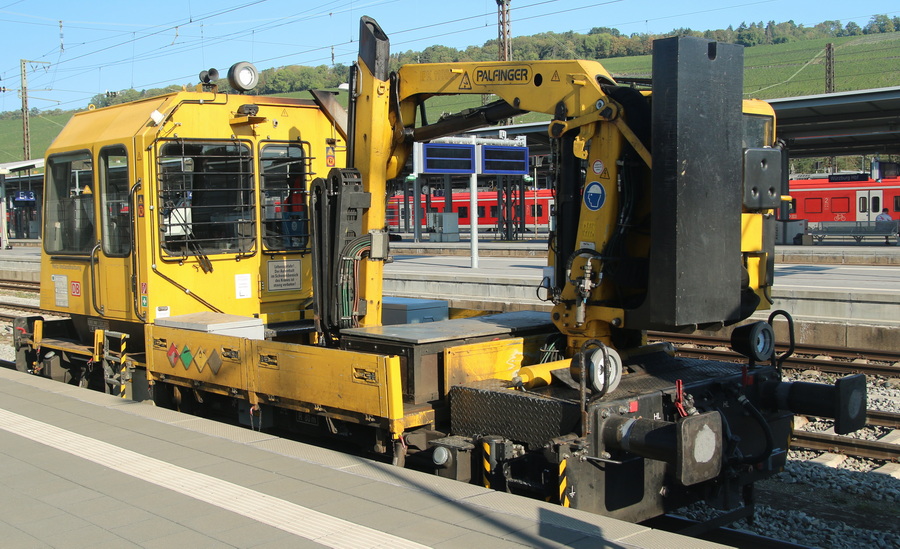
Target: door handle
{"x":98,"y":308}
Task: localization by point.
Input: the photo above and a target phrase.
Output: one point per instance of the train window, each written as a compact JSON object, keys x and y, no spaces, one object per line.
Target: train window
{"x":876,"y":204}
{"x":494,"y":211}
{"x":463,"y":212}
{"x":863,"y":204}
{"x":897,"y":203}
{"x":757,"y":131}
{"x":116,"y":233}
{"x":284,"y":177}
{"x":206,"y":198}
{"x":69,"y":203}
{"x":537,"y":211}
{"x":812,"y":205}
{"x":480,"y":212}
{"x":840,"y":204}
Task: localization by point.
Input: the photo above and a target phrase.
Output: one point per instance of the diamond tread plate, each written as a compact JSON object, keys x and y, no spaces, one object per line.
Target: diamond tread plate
{"x":525,"y":417}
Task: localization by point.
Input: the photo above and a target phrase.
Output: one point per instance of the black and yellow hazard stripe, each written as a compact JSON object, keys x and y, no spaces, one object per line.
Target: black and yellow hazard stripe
{"x":486,"y":459}
{"x":563,"y":483}
{"x":123,"y":366}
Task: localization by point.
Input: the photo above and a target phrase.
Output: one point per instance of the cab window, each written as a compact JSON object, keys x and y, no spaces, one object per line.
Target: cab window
{"x":113,"y":171}
{"x":757,"y":131}
{"x":284,"y":181}
{"x":206,"y":198}
{"x":69,"y":204}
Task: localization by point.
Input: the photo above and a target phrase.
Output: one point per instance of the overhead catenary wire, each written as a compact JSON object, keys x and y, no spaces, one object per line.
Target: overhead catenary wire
{"x":309,"y":55}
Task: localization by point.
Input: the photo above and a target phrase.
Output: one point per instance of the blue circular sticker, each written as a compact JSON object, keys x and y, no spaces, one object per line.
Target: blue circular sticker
{"x":594,"y":196}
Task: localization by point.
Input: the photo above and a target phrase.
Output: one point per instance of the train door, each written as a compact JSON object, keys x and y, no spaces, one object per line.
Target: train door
{"x":69,"y":235}
{"x":868,"y":204}
{"x":111,"y":259}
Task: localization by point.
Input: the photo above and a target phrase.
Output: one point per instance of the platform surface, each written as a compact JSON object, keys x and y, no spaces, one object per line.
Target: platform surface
{"x":83,"y":469}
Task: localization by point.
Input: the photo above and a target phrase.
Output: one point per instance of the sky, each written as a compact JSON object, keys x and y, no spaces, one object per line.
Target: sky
{"x":74,"y":53}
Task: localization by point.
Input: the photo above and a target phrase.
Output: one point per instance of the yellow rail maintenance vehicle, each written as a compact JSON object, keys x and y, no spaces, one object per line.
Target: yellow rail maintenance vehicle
{"x":224,"y":252}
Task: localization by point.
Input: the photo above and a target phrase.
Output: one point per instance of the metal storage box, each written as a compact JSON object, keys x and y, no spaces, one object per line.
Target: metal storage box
{"x":421,"y":347}
{"x":216,"y":323}
{"x":406,"y":310}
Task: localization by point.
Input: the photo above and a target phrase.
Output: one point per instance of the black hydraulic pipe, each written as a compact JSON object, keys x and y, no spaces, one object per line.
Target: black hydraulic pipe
{"x":767,"y":433}
{"x":467,"y":120}
{"x":568,"y":205}
{"x":351,"y":116}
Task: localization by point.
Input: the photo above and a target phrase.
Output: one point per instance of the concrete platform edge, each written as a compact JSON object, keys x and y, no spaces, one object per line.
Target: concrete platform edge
{"x":582,"y":525}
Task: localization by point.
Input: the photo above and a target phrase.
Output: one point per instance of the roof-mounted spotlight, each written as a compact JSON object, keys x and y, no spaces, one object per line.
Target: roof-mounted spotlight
{"x":208,"y":77}
{"x":243,"y":76}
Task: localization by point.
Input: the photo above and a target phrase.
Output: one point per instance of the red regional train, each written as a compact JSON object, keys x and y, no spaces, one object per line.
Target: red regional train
{"x":836,"y":197}
{"x":844,"y":197}
{"x":537,"y":203}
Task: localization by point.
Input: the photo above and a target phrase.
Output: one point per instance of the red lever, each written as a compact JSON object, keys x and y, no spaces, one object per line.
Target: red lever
{"x":679,"y":398}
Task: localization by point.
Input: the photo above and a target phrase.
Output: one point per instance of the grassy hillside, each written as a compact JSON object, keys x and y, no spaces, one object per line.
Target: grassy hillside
{"x":798,"y":68}
{"x":44,"y":129}
{"x":783,"y":70}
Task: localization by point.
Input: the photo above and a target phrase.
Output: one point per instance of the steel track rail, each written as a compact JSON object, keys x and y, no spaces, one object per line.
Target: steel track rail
{"x":796,"y":362}
{"x":883,"y":419}
{"x":21,"y":285}
{"x":799,"y":349}
{"x":9,"y":316}
{"x":838,"y":444}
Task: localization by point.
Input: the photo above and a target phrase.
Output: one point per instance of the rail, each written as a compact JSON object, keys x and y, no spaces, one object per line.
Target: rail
{"x":839,"y":444}
{"x":20,"y":285}
{"x":835,"y":360}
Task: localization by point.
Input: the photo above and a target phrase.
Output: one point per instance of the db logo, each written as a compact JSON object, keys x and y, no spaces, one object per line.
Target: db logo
{"x":76,"y":289}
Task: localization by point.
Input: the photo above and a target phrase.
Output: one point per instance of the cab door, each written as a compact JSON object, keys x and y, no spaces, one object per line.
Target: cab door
{"x":111,"y":264}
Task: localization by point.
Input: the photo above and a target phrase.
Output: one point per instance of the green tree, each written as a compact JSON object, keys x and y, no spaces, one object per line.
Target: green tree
{"x":753,"y":35}
{"x":605,"y":30}
{"x":125,"y":96}
{"x":879,"y":24}
{"x":283,"y":80}
{"x":597,"y":46}
{"x":830,"y":29}
{"x":439,"y":54}
{"x":852,"y":29}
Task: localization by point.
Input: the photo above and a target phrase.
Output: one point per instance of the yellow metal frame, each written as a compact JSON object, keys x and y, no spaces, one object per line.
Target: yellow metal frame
{"x":358,"y":387}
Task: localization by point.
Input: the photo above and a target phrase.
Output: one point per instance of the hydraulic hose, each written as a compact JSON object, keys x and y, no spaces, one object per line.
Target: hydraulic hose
{"x":767,"y":433}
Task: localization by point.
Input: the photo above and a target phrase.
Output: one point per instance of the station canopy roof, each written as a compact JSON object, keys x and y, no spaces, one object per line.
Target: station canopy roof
{"x":837,"y":124}
{"x":21,"y":165}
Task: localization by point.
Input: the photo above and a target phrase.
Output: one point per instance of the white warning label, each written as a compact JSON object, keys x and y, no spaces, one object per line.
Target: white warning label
{"x":284,"y":275}
{"x":61,"y":290}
